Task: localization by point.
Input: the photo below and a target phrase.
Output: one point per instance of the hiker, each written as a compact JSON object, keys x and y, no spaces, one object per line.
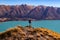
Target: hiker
{"x":29,"y":22}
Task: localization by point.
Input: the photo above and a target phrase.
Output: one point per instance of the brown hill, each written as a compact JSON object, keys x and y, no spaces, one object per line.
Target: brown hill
{"x":29,"y":33}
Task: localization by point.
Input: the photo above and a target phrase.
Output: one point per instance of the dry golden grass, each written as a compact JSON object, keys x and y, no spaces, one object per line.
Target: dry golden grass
{"x":28,"y":33}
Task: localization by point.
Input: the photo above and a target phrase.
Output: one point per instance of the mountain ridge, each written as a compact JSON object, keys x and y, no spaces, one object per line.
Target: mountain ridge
{"x":24,"y":12}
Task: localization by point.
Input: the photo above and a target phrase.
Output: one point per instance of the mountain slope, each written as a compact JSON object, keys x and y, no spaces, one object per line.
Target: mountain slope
{"x":41,"y":13}
{"x":24,"y":12}
{"x":29,"y":33}
{"x":14,"y":11}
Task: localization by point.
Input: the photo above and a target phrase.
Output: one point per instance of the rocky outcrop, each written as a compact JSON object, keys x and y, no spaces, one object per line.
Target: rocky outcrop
{"x":29,"y":33}
{"x":24,"y":12}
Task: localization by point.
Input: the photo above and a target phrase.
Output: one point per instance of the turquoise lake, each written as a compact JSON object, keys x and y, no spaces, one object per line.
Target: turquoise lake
{"x":50,"y":24}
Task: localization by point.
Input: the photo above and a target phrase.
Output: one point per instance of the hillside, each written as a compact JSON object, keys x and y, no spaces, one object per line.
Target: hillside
{"x":24,"y":12}
{"x":29,"y":33}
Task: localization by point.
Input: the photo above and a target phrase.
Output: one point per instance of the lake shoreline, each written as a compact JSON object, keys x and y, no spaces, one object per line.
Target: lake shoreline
{"x":49,"y":24}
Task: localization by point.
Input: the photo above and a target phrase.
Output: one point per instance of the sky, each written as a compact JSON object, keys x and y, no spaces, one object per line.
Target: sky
{"x":55,"y":3}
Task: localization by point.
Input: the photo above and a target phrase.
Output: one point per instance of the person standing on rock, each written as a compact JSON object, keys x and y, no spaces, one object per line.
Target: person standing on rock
{"x":29,"y":22}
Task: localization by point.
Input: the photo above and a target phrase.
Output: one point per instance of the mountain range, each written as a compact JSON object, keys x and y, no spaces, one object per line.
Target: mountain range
{"x":26,"y":12}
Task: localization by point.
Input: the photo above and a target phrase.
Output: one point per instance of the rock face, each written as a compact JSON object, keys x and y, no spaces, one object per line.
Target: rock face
{"x":24,"y":12}
{"x":29,"y":33}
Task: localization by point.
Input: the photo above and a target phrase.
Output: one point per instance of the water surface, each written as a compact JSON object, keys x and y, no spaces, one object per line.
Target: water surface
{"x":50,"y":24}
